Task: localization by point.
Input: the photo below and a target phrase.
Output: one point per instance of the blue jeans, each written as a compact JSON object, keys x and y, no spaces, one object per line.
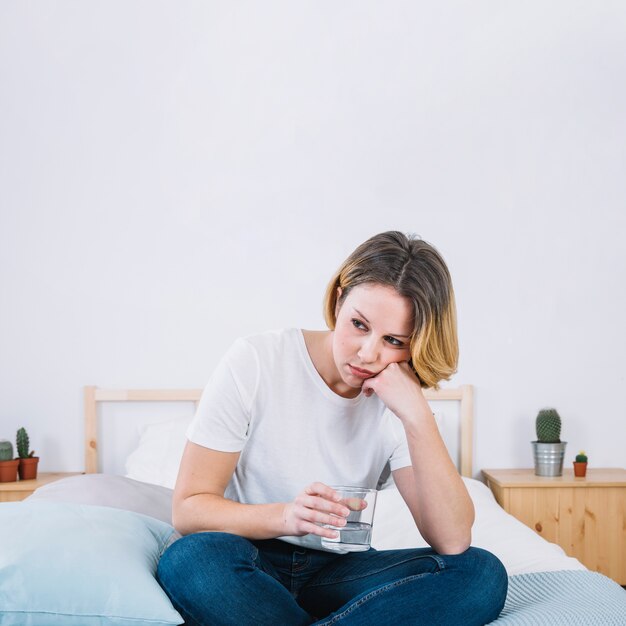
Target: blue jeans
{"x":217,"y":578}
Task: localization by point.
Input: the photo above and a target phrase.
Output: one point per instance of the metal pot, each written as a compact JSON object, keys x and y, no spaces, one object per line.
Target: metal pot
{"x":548,"y":458}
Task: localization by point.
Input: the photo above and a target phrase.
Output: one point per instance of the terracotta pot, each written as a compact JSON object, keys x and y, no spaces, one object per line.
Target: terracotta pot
{"x":8,"y":471}
{"x":28,"y":468}
{"x":580,"y":469}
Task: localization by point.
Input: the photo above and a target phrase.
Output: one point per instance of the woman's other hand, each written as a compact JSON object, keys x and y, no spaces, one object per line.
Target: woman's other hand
{"x":316,"y":504}
{"x":400,"y":390}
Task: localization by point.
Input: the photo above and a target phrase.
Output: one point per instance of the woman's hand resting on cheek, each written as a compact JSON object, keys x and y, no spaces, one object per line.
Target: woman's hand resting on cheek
{"x":398,"y":387}
{"x":316,"y":504}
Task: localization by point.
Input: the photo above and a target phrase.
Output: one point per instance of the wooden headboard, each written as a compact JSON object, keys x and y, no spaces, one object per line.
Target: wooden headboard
{"x":95,"y":395}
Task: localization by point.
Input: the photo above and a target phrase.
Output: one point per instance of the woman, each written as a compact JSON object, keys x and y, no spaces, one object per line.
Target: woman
{"x":287,"y":414}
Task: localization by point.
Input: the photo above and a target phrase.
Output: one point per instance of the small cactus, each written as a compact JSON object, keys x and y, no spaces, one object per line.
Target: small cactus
{"x":6,"y":450}
{"x":581,"y":457}
{"x":23,"y":443}
{"x":548,"y":425}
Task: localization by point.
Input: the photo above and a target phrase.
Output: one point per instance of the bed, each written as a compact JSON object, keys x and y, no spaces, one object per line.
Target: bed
{"x":83,"y":551}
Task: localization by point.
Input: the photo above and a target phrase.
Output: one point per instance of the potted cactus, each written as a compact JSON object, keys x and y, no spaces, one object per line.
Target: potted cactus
{"x":548,"y":450}
{"x":580,"y":465}
{"x":8,"y":465}
{"x":27,"y":468}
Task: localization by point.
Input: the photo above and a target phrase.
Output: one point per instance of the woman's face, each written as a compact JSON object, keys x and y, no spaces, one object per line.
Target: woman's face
{"x":373,"y":329}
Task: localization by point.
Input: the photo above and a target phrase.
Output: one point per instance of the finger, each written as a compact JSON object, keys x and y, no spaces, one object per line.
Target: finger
{"x":355,"y":504}
{"x":320,"y":489}
{"x":323,"y":518}
{"x":325,"y":498}
{"x":320,"y":504}
{"x":367,"y":388}
{"x":314,"y":529}
{"x":305,"y":513}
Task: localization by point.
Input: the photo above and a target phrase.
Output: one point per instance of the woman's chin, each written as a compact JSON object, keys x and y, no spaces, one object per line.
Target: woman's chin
{"x":350,"y":388}
{"x":355,"y":383}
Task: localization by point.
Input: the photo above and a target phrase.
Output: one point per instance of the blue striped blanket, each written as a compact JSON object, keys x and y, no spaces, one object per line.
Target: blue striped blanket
{"x":565,"y":598}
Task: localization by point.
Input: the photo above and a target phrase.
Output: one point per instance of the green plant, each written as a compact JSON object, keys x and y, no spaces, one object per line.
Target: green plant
{"x":23,"y":444}
{"x":548,"y":426}
{"x":581,"y":457}
{"x":6,"y":450}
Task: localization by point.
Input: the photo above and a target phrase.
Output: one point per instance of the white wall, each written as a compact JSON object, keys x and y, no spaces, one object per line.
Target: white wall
{"x":174,"y":175}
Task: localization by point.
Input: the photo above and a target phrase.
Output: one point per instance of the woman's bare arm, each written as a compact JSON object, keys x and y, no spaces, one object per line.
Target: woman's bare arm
{"x":432,"y":488}
{"x":199,"y":503}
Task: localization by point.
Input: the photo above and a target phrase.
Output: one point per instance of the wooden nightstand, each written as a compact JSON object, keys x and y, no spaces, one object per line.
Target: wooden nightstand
{"x":13,"y":492}
{"x":585,"y":516}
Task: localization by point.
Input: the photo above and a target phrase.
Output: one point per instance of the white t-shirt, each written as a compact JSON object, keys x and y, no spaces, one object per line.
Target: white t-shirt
{"x":267,"y":400}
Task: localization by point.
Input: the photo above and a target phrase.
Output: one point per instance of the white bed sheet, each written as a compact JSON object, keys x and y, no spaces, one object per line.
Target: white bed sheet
{"x":519,"y":548}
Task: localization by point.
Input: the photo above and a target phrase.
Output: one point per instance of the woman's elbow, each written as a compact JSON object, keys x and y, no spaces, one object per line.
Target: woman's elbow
{"x":458,"y":545}
{"x":180,"y":522}
{"x":183,"y":517}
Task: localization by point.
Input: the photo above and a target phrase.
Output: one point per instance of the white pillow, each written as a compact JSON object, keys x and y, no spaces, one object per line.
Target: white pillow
{"x":118,"y":492}
{"x":159,"y":452}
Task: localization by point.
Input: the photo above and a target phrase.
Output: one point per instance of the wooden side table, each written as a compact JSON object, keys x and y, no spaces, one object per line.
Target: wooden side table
{"x":13,"y":492}
{"x":585,"y":516}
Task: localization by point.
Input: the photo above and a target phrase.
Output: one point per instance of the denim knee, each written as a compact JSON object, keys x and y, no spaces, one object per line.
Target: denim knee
{"x":192,"y":561}
{"x":487,"y":580}
{"x":220,"y":578}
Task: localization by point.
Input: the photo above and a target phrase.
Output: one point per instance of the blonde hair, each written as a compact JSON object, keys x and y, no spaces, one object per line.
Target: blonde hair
{"x":418,"y":272}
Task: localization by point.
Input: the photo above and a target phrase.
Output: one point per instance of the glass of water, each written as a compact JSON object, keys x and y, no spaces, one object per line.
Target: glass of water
{"x":356,"y":535}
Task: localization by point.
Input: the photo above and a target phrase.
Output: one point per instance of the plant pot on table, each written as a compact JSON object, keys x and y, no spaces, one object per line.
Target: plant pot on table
{"x":8,"y":471}
{"x":548,"y":458}
{"x":27,"y":468}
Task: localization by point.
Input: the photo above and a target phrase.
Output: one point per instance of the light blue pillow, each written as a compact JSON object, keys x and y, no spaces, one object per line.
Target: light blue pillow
{"x":81,"y":565}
